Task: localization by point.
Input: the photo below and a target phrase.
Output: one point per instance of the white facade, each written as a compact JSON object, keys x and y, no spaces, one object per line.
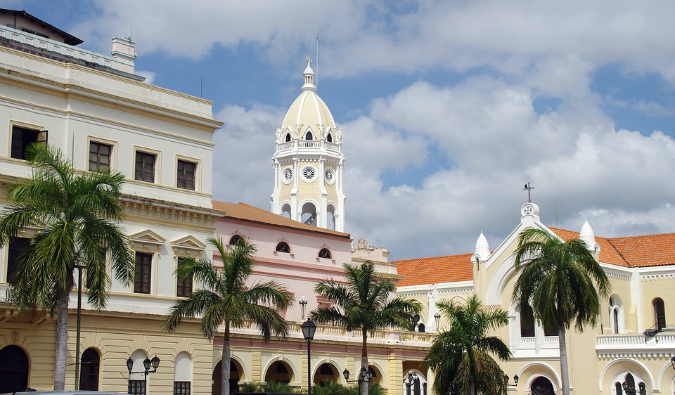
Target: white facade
{"x":308,"y":162}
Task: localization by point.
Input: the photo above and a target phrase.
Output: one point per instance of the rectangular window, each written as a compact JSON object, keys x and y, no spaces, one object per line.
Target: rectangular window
{"x":145,"y":166}
{"x":183,"y":286}
{"x":181,"y":388}
{"x":136,"y":387}
{"x":186,"y":175}
{"x":99,"y":156}
{"x":22,"y":138}
{"x":16,"y":245}
{"x":143,"y":273}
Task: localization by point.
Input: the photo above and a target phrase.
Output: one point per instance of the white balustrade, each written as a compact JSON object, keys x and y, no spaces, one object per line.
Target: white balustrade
{"x":290,"y":145}
{"x":5,"y":293}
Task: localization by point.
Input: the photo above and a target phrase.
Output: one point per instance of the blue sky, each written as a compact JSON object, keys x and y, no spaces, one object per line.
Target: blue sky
{"x":447,"y":107}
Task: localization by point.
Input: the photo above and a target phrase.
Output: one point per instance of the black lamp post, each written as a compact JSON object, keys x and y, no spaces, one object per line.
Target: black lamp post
{"x":364,"y":375}
{"x":147,"y":364}
{"x":303,"y":304}
{"x":308,"y":330}
{"x":672,"y":362}
{"x":515,"y":380}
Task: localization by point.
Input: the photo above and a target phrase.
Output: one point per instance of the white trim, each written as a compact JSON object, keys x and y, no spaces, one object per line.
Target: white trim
{"x":614,"y":362}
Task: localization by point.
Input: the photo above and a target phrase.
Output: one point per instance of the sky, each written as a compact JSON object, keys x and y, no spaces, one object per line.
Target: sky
{"x":447,"y":107}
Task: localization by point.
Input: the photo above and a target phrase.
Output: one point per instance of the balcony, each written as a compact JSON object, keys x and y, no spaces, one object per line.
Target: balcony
{"x":633,"y":345}
{"x":5,"y":293}
{"x":336,"y":334}
{"x":301,"y":144}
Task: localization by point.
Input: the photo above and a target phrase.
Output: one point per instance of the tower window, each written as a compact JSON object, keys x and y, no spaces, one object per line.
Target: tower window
{"x":309,"y":136}
{"x":309,"y":173}
{"x":659,"y":314}
{"x":288,"y":137}
{"x":143,"y":273}
{"x":325,"y":253}
{"x":185,"y":177}
{"x":329,"y":138}
{"x":234,"y":240}
{"x":283,"y":247}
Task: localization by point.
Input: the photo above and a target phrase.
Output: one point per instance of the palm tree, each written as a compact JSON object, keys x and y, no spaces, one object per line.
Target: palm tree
{"x":461,"y":356}
{"x":77,"y":216}
{"x":561,"y":281}
{"x":223,"y":298}
{"x":364,"y":303}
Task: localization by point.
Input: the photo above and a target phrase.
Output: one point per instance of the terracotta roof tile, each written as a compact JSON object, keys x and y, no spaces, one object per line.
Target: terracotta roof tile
{"x":247,"y":212}
{"x":441,"y":269}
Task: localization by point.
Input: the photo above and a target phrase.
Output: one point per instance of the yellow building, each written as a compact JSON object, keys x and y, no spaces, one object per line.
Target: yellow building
{"x":633,"y":343}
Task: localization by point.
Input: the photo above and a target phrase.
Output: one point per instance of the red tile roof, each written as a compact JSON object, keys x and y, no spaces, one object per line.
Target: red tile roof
{"x":250,"y":213}
{"x":441,"y":269}
{"x":635,"y":251}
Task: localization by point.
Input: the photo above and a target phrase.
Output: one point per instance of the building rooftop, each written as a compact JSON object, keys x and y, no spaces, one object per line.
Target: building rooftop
{"x":67,"y":37}
{"x":245,"y":212}
{"x":630,"y":252}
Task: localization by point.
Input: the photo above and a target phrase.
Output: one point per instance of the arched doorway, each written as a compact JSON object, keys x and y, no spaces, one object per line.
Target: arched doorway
{"x":377,"y":375}
{"x":89,"y":370}
{"x":414,"y":383}
{"x":280,"y":372}
{"x":236,"y":374}
{"x":542,"y":386}
{"x":326,"y":372}
{"x":13,"y":369}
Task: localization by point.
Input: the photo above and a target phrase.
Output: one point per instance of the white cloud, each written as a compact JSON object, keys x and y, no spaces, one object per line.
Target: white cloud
{"x":149,"y":75}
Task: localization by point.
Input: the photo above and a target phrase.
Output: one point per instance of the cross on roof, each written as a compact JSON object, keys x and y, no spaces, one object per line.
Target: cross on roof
{"x":529,"y":189}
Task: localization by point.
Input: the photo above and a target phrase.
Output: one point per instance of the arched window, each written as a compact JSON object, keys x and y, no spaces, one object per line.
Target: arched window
{"x":288,"y":137}
{"x":182,"y":374}
{"x":421,"y":328}
{"x":286,"y":211}
{"x":283,"y":247}
{"x":630,"y":384}
{"x":615,"y":314}
{"x":13,"y":369}
{"x":89,"y":370}
{"x":325,"y":253}
{"x":527,"y":322}
{"x":308,"y":216}
{"x":659,"y":314}
{"x":234,"y":240}
{"x":329,"y":138}
{"x":137,"y":381}
{"x":330,"y":217}
{"x":308,"y":136}
{"x":618,"y":388}
{"x":542,"y":386}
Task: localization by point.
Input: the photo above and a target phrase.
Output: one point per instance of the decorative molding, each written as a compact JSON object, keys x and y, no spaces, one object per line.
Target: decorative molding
{"x":188,"y":246}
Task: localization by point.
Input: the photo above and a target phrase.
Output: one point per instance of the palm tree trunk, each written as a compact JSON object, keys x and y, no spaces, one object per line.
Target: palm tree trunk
{"x":472,"y":388}
{"x":564,"y":373}
{"x":61,"y":341}
{"x":364,"y":362}
{"x":225,"y":364}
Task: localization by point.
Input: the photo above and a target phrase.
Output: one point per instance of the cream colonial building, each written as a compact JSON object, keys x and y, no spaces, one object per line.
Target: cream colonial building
{"x":100,"y":114}
{"x":633,"y":343}
{"x":308,"y":162}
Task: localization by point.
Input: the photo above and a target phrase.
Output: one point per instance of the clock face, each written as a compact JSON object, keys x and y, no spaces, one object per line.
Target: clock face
{"x":309,"y":173}
{"x":288,"y":175}
{"x":329,"y":174}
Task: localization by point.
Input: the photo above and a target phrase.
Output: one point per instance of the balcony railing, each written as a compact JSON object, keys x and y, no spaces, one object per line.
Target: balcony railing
{"x":329,"y":332}
{"x":299,"y":144}
{"x":613,"y":345}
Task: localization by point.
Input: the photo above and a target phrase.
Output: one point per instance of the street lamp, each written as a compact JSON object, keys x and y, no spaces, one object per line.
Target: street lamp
{"x":147,"y":364}
{"x":308,"y":330}
{"x":437,"y":317}
{"x":515,"y":380}
{"x":303,"y":304}
{"x":364,"y":375}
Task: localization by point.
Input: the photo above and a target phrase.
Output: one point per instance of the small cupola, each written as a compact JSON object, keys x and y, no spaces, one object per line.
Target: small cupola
{"x":482,"y":251}
{"x":309,"y":77}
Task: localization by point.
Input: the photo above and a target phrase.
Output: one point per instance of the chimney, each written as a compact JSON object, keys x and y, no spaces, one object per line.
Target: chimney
{"x":124,"y":52}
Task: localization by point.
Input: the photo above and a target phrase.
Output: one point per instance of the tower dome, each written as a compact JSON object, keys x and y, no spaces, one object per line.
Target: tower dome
{"x":308,"y":162}
{"x":482,"y":250}
{"x":588,"y":236}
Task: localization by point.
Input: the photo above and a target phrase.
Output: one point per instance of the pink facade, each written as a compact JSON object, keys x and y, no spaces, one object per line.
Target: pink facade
{"x":299,"y":270}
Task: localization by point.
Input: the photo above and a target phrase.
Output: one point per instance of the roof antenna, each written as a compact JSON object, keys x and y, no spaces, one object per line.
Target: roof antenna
{"x":131,"y":33}
{"x":201,"y":87}
{"x":555,"y":204}
{"x":316,"y":83}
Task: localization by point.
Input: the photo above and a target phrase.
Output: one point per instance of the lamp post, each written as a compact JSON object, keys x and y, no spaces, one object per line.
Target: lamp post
{"x":515,"y":380}
{"x":147,"y":363}
{"x":308,"y":330}
{"x":364,"y":375}
{"x":303,"y":304}
{"x":79,"y":315}
{"x":437,"y":318}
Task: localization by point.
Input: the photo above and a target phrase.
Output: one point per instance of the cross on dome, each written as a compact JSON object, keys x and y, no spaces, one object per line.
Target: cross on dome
{"x":309,"y":77}
{"x":529,"y":189}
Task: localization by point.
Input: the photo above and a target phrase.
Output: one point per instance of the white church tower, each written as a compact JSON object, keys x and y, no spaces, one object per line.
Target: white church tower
{"x":308,"y":162}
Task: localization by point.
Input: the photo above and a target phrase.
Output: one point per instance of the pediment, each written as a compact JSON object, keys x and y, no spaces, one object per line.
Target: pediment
{"x":147,"y":237}
{"x":188,"y":242}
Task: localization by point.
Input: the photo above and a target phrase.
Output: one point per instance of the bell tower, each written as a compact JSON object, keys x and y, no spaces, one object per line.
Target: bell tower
{"x":308,"y":162}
